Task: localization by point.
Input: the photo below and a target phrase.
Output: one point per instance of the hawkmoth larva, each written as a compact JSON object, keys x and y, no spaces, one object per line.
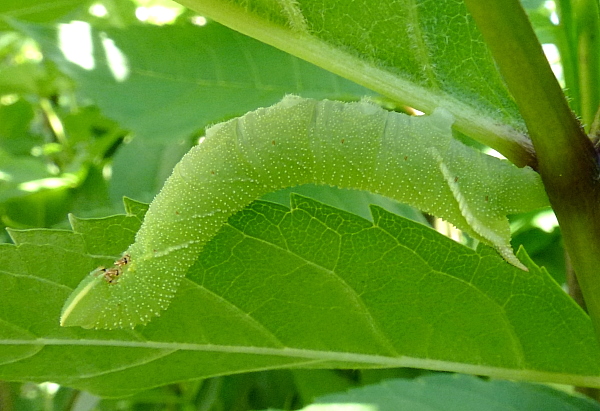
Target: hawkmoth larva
{"x":414,"y":160}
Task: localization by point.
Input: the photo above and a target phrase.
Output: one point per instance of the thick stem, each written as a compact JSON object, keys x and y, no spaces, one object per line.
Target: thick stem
{"x":567,"y":160}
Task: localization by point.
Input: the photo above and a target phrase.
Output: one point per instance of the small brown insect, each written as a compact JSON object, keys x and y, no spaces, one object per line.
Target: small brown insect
{"x":343,"y":141}
{"x":455,"y":179}
{"x":111,"y":274}
{"x":123,"y":260}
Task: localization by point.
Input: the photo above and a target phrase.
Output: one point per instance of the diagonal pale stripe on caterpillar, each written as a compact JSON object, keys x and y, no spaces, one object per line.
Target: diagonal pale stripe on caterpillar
{"x":414,"y":160}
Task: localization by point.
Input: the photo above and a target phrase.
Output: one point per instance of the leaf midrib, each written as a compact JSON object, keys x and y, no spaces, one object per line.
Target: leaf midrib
{"x":329,"y":356}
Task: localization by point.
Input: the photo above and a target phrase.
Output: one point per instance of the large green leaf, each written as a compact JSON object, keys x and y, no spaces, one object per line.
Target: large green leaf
{"x":165,"y":83}
{"x":418,"y":53}
{"x":312,"y":287}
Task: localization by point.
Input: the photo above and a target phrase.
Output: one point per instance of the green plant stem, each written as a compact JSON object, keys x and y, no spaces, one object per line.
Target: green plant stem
{"x":567,"y":47}
{"x":587,"y":29}
{"x":567,"y":160}
{"x":580,"y":54}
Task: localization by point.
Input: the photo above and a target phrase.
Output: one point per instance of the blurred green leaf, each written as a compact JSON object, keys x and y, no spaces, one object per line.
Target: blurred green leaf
{"x":43,"y":208}
{"x":15,"y":121}
{"x":23,"y":78}
{"x":37,"y":10}
{"x":446,"y":392}
{"x":166,"y":83}
{"x":140,"y":168}
{"x":546,"y":249}
{"x":316,"y":383}
{"x":532,"y":4}
{"x":16,"y":170}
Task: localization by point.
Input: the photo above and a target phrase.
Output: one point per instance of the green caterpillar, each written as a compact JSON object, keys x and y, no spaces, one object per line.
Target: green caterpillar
{"x":414,"y":160}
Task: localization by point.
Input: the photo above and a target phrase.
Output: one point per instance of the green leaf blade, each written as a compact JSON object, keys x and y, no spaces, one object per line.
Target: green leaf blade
{"x":261,"y":296}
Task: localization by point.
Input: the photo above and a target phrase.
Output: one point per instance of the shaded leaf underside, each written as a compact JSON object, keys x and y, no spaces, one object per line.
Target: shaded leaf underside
{"x":418,"y":53}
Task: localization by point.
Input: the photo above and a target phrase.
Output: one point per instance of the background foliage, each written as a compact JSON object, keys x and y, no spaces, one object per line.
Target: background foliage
{"x":79,"y":129}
